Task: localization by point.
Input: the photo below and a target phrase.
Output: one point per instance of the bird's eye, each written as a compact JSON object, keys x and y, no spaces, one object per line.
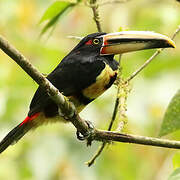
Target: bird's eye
{"x":96,"y":41}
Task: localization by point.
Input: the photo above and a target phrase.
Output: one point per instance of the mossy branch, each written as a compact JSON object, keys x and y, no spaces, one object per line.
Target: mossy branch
{"x":69,"y":110}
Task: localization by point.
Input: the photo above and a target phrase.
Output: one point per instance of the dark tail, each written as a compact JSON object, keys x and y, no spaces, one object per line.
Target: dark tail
{"x":17,"y":133}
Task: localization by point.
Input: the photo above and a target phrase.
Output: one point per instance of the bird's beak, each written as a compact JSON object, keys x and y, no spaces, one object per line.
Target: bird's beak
{"x":127,"y":41}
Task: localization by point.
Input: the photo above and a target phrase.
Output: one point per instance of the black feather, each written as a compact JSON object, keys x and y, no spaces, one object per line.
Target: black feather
{"x":14,"y":135}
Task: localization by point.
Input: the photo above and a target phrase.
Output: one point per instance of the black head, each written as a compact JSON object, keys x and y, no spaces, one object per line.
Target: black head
{"x":90,"y":45}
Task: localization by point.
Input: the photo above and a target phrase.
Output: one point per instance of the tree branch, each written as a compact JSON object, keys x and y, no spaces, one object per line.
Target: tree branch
{"x":69,"y":110}
{"x":101,"y":135}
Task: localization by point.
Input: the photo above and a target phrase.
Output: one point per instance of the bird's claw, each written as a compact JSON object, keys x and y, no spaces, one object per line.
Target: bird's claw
{"x":81,"y":136}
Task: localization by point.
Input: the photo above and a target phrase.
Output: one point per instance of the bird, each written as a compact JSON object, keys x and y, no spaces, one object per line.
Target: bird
{"x":83,"y":75}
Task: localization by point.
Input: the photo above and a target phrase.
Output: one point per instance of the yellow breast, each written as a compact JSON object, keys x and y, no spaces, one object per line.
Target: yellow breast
{"x":102,"y":81}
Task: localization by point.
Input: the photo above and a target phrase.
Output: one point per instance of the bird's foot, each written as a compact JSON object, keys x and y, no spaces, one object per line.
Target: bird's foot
{"x":86,"y":136}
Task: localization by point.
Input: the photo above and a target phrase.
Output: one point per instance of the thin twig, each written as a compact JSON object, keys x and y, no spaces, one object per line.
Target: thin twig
{"x":151,"y":58}
{"x":113,"y":2}
{"x":144,"y":65}
{"x":96,"y":155}
{"x":75,"y":37}
{"x":176,"y":32}
{"x":96,"y":14}
{"x":102,"y":146}
{"x":106,"y":3}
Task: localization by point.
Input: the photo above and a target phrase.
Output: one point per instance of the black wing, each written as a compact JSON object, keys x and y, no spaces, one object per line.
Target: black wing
{"x":70,"y":77}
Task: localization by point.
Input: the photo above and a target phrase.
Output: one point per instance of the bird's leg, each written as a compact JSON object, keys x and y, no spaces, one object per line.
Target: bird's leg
{"x":87,"y":136}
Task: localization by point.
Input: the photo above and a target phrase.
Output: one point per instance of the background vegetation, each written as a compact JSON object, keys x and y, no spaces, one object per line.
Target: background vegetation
{"x":52,"y":151}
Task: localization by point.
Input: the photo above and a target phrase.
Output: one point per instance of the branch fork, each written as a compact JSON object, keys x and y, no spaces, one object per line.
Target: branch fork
{"x":69,"y":111}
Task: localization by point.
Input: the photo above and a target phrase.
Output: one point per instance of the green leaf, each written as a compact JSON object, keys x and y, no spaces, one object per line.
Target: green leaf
{"x":171,"y":120}
{"x":54,"y":10}
{"x":175,"y":175}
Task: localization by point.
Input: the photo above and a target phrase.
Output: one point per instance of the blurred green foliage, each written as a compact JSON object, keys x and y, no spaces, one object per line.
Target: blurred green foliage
{"x":52,"y":152}
{"x":54,"y":12}
{"x":171,"y":120}
{"x":175,"y":175}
